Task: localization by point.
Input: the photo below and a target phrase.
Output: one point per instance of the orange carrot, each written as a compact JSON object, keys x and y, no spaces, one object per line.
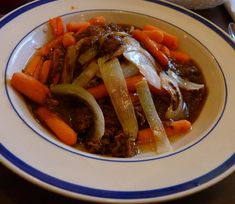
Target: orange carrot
{"x":170,"y":40}
{"x":30,"y":87}
{"x":150,"y":27}
{"x":32,"y":65}
{"x":180,"y":56}
{"x":151,"y":47}
{"x":100,"y":91}
{"x":165,"y":50}
{"x":97,"y":20}
{"x":61,"y":129}
{"x":131,"y":81}
{"x":145,"y":136}
{"x":56,"y":78}
{"x":156,"y":91}
{"x":46,"y":66}
{"x":177,"y":127}
{"x":155,"y":35}
{"x":76,"y":26}
{"x":45,"y":49}
{"x":83,"y":28}
{"x":38,"y":69}
{"x":68,"y":39}
{"x":56,"y":25}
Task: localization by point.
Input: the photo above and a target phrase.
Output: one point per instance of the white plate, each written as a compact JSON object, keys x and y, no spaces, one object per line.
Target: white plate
{"x":200,"y":159}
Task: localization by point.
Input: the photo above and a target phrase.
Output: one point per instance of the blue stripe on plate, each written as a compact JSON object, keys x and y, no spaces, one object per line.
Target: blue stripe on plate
{"x":117,"y":194}
{"x":21,"y":10}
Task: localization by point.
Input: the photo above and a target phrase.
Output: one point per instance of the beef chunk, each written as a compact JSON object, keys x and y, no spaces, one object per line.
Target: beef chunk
{"x":111,"y":44}
{"x":118,"y":146}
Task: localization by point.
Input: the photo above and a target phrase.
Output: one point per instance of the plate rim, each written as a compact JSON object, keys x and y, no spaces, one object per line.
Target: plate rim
{"x":215,"y":173}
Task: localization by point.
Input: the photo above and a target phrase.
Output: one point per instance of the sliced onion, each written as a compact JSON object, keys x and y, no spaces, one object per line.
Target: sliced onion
{"x":129,"y":69}
{"x":145,"y":66}
{"x":155,"y":123}
{"x":69,"y":65}
{"x":184,"y":84}
{"x":89,"y":72}
{"x":88,"y":55}
{"x":171,"y":86}
{"x":132,"y":44}
{"x":143,"y":60}
{"x":86,"y":97}
{"x":114,"y":81}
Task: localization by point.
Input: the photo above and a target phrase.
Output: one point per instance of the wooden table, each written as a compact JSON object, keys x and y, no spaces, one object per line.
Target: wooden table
{"x":15,"y":190}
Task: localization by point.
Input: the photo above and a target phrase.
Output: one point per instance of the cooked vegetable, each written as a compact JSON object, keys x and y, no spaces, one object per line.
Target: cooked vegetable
{"x":169,"y":40}
{"x":114,"y":81}
{"x":97,"y":20}
{"x":57,"y":26}
{"x":88,"y":73}
{"x":151,"y":47}
{"x":180,"y":56}
{"x":30,"y":87}
{"x":176,"y":128}
{"x":46,"y":66}
{"x":69,"y":64}
{"x":155,"y":123}
{"x":65,"y":133}
{"x":177,"y":107}
{"x":100,"y":91}
{"x":31,"y":67}
{"x":129,"y":69}
{"x":68,"y":39}
{"x":145,"y":136}
{"x":184,"y":84}
{"x":45,"y":49}
{"x":81,"y":94}
{"x":88,"y":55}
{"x":77,"y":26}
{"x":172,"y":128}
{"x":155,"y":35}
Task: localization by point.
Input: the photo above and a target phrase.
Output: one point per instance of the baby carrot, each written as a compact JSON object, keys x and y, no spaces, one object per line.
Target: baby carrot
{"x":46,"y":66}
{"x":180,"y":56}
{"x":151,"y":47}
{"x":50,"y":45}
{"x":177,"y":127}
{"x":155,"y":35}
{"x":68,"y":39}
{"x":32,"y":65}
{"x":170,"y":40}
{"x":150,"y":27}
{"x":38,"y":69}
{"x":97,"y":20}
{"x":56,"y":25}
{"x":61,"y":129}
{"x":30,"y":87}
{"x":165,"y":50}
{"x":100,"y":91}
{"x":76,"y":26}
{"x":145,"y":136}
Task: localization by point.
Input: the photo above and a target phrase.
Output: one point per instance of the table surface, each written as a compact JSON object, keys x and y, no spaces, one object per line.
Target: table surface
{"x":16,"y":190}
